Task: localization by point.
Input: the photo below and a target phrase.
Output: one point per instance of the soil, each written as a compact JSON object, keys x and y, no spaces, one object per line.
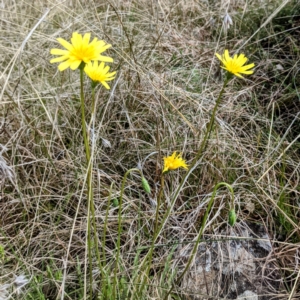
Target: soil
{"x":240,"y":265}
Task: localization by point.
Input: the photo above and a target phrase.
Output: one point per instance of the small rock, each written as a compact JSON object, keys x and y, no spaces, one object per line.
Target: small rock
{"x":265,"y":244}
{"x":248,"y":295}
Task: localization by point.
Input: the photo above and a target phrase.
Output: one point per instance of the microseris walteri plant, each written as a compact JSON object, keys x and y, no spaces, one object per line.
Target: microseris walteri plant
{"x":171,"y":163}
{"x":79,"y":50}
{"x":99,"y":73}
{"x":80,"y":53}
{"x":174,"y":162}
{"x":236,"y":64}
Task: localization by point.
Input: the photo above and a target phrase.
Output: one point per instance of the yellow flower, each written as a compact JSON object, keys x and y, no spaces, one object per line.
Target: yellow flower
{"x":235,"y":65}
{"x":99,"y":73}
{"x":173,"y":162}
{"x":80,"y":50}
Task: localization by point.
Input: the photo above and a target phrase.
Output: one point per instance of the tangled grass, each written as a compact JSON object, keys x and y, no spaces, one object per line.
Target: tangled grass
{"x":168,"y":80}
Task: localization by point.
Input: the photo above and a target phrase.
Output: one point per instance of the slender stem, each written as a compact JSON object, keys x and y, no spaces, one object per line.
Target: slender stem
{"x":105,"y":223}
{"x":201,"y":149}
{"x":161,"y":190}
{"x":84,"y":132}
{"x":210,"y":203}
{"x":88,"y":156}
{"x":156,"y":231}
{"x":91,"y":206}
{"x":89,"y":232}
{"x":190,"y":170}
{"x":91,"y":198}
{"x":210,"y":125}
{"x":93,"y":104}
{"x":120,"y":226}
{"x":93,"y":99}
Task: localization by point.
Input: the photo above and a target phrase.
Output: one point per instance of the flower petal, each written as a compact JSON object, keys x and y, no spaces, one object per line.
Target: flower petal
{"x":219,"y":56}
{"x":247,"y":72}
{"x":105,"y":58}
{"x":247,"y":67}
{"x":102,"y":48}
{"x":75,"y":64}
{"x":64,"y":65}
{"x":226,"y":55}
{"x":86,"y":38}
{"x":58,"y":59}
{"x":65,"y":44}
{"x":242,"y":59}
{"x":58,"y":51}
{"x":105,"y":85}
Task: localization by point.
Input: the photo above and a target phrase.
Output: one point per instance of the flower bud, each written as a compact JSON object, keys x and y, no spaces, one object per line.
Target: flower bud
{"x":146,"y":185}
{"x":232,"y":217}
{"x":115,"y":202}
{"x":227,"y":22}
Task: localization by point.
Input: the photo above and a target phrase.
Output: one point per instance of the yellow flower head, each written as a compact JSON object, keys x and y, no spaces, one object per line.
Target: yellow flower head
{"x":80,"y":50}
{"x":235,"y":65}
{"x":99,"y":73}
{"x":174,"y":162}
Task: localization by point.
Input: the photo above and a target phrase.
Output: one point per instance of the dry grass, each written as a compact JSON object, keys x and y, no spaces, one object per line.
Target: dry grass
{"x":167,"y":83}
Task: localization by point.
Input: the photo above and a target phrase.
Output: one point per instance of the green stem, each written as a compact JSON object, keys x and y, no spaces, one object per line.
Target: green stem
{"x":191,"y":168}
{"x":105,"y":223}
{"x":120,"y":226}
{"x":91,"y":199}
{"x":161,"y":190}
{"x":155,"y":233}
{"x":84,"y":132}
{"x":93,"y":104}
{"x":88,"y":156}
{"x":210,"y":125}
{"x":93,"y":100}
{"x":201,"y":149}
{"x":204,"y":142}
{"x":210,"y":203}
{"x":91,"y":207}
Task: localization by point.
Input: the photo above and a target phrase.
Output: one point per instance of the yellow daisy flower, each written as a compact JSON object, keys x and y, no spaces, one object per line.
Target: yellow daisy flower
{"x":99,"y":73}
{"x":235,"y":65}
{"x":80,"y":50}
{"x":173,"y":162}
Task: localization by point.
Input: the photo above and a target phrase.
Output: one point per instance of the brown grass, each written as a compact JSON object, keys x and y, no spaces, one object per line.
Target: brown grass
{"x":167,"y":82}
